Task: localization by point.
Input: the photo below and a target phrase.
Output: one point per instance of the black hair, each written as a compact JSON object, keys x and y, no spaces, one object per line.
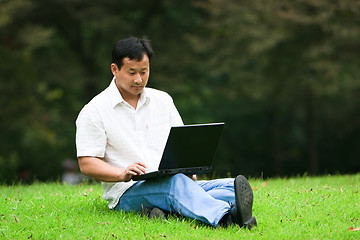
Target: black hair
{"x":133,"y":48}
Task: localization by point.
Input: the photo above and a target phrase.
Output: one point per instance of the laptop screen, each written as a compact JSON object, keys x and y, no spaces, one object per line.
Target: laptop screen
{"x":191,"y":146}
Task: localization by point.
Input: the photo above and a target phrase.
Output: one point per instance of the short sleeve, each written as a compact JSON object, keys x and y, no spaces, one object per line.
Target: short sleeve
{"x":175,"y":115}
{"x":90,"y":133}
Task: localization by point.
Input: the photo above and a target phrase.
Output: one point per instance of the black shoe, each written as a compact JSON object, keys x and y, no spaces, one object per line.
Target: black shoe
{"x":241,"y":213}
{"x":226,"y":220}
{"x":157,"y":213}
{"x":145,"y":212}
{"x":153,"y":213}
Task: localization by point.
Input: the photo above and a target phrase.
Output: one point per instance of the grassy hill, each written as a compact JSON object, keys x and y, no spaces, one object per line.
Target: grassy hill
{"x":325,"y":207}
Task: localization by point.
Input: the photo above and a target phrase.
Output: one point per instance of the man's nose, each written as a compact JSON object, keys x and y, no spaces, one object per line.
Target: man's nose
{"x":138,"y":79}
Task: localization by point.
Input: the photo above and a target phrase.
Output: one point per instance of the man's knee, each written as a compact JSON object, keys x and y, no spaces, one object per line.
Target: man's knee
{"x":180,"y":179}
{"x":181,"y":183}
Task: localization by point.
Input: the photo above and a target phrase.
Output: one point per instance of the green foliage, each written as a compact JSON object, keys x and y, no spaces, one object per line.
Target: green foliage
{"x":284,"y":76}
{"x":296,"y":208}
{"x":280,"y":70}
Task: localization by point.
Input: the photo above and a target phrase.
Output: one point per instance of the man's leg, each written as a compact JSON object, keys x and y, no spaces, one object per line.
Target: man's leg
{"x":238,"y":193}
{"x":174,"y":194}
{"x":221,"y":189}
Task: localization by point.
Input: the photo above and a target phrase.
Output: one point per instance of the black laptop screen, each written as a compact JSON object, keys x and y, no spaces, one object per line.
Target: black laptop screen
{"x":191,"y":146}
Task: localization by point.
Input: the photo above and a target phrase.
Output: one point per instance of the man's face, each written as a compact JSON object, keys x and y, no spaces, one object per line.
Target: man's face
{"x":132,"y":77}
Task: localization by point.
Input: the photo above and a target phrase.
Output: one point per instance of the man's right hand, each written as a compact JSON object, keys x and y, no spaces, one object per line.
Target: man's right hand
{"x":134,"y":169}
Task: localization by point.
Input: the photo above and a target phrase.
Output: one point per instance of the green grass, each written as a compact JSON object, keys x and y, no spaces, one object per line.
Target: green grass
{"x":296,"y":208}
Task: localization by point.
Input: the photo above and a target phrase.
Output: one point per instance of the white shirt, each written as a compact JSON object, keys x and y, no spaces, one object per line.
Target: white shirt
{"x":110,"y":129}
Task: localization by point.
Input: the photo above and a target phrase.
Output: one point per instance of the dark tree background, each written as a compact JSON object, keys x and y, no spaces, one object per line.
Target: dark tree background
{"x":284,"y":76}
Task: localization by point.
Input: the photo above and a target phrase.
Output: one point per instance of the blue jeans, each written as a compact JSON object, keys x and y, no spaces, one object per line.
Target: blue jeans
{"x":207,"y":201}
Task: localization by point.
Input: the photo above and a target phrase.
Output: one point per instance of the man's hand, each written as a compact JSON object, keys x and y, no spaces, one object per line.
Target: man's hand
{"x":193,"y":177}
{"x":134,"y":169}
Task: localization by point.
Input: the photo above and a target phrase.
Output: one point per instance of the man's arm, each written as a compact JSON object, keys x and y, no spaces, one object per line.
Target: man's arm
{"x":96,"y":168}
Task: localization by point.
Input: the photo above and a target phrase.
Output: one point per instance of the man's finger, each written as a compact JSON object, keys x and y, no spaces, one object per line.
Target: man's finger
{"x":135,"y":170}
{"x":141,"y":168}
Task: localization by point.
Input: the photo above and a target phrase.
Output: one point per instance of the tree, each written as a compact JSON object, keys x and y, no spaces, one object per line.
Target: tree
{"x":288,"y":60}
{"x":57,"y":56}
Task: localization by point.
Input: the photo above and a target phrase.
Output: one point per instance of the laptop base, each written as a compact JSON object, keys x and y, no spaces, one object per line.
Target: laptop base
{"x":170,"y":172}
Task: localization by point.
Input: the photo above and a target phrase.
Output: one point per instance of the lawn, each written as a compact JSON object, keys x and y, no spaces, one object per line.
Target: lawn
{"x":326,"y":207}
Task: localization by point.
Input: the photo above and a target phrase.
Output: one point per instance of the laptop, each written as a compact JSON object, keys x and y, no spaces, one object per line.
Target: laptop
{"x":189,"y":149}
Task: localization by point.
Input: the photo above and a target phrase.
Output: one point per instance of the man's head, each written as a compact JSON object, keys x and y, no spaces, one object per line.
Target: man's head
{"x":131,"y":67}
{"x":133,"y":48}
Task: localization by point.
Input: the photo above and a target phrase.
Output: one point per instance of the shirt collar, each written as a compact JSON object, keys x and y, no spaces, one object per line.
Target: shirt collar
{"x":116,"y":98}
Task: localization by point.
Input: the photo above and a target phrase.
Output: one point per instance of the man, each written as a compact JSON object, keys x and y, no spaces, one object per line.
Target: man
{"x":122,"y":132}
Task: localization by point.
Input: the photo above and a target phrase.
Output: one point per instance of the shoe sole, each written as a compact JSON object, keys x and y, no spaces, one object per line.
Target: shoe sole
{"x":244,"y":201}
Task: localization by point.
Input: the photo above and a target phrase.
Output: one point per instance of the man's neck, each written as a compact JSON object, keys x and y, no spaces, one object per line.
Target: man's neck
{"x":133,"y":102}
{"x":130,"y":99}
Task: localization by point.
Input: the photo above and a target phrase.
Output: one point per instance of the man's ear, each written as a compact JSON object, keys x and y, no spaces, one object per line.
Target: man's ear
{"x":114,"y":68}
